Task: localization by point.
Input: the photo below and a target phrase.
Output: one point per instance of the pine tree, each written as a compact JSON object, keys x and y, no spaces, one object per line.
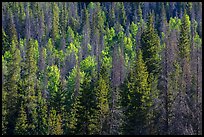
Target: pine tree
{"x":11,"y":29}
{"x":54,"y":123}
{"x":184,"y":41}
{"x":21,"y":127}
{"x":138,"y":98}
{"x":12,"y":84}
{"x":29,"y":87}
{"x":53,"y":87}
{"x":5,"y":42}
{"x":42,"y":126}
{"x":86,"y":115}
{"x":55,"y":23}
{"x":150,"y":44}
{"x":103,"y":104}
{"x":50,"y":52}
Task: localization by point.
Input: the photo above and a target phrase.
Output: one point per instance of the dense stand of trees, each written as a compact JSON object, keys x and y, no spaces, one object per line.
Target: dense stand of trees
{"x":101,"y":68}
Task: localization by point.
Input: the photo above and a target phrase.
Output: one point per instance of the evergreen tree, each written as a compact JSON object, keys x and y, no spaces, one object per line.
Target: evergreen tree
{"x":21,"y":127}
{"x":54,"y":123}
{"x":12,"y":85}
{"x":42,"y":127}
{"x":55,"y":95}
{"x":138,"y":98}
{"x":184,"y":41}
{"x":55,"y":29}
{"x":103,"y":104}
{"x":86,"y":115}
{"x":129,"y":68}
{"x":150,"y":44}
{"x":29,"y":86}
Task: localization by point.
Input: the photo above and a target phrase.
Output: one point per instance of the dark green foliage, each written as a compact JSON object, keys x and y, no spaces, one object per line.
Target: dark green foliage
{"x":12,"y":85}
{"x":101,"y":68}
{"x":21,"y":127}
{"x":150,"y":44}
{"x":184,"y":42}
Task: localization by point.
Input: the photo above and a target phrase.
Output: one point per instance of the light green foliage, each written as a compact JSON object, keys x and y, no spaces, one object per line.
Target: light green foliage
{"x":88,"y":65}
{"x":91,"y":6}
{"x":89,"y":48}
{"x":133,"y":29}
{"x":106,"y":53}
{"x":50,"y":46}
{"x":35,"y":50}
{"x":71,"y":84}
{"x":22,"y":45}
{"x":70,"y":34}
{"x":174,"y":23}
{"x":107,"y":61}
{"x":128,"y":46}
{"x":72,"y":48}
{"x":198,"y":41}
{"x":72,"y":77}
{"x":53,"y":84}
{"x":61,"y":56}
{"x":7,"y":56}
{"x":110,"y":33}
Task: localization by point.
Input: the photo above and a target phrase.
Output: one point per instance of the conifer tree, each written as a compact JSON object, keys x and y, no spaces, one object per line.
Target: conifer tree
{"x":21,"y":127}
{"x":29,"y":87}
{"x":138,"y":98}
{"x":54,"y":123}
{"x":184,"y":41}
{"x":150,"y":44}
{"x":12,"y":85}
{"x":55,"y":95}
{"x":42,"y":126}
{"x":103,"y":104}
{"x":55,"y":29}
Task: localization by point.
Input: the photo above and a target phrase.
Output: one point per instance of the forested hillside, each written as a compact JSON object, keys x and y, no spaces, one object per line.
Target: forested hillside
{"x":106,"y":68}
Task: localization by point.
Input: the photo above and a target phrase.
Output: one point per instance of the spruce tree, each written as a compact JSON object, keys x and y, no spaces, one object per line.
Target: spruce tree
{"x":29,"y":86}
{"x":103,"y":104}
{"x":12,"y":85}
{"x":54,"y":123}
{"x":138,"y":97}
{"x":21,"y":127}
{"x":150,"y":45}
{"x":184,"y":41}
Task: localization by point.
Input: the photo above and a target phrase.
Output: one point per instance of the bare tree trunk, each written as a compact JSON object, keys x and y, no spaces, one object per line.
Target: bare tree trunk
{"x":166,"y":89}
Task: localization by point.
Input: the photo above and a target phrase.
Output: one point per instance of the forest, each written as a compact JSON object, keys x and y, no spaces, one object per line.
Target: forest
{"x":101,"y":68}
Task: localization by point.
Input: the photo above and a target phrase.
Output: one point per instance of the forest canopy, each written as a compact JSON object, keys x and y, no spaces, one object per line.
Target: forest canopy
{"x":102,"y":68}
